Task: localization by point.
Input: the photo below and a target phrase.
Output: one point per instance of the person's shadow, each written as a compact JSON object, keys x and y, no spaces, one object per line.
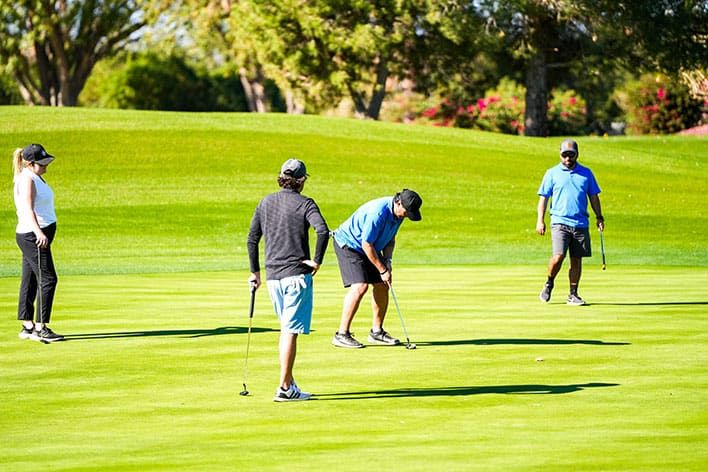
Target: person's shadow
{"x":647,"y":303}
{"x":513,"y":341}
{"x":178,"y":333}
{"x":530,"y":389}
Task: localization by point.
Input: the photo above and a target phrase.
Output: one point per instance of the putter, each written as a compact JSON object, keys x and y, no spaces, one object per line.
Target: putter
{"x":248,"y":342}
{"x":602,"y":248}
{"x":39,"y":287}
{"x":409,"y":345}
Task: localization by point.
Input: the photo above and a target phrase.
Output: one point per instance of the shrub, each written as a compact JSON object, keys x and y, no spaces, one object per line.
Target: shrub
{"x":567,"y":114}
{"x":655,"y":104}
{"x":501,"y":110}
{"x":149,"y":82}
{"x":9,"y":92}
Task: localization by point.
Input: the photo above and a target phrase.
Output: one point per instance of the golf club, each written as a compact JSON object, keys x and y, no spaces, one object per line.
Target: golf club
{"x":602,"y":248}
{"x":248,"y":341}
{"x":409,"y":345}
{"x":39,"y":288}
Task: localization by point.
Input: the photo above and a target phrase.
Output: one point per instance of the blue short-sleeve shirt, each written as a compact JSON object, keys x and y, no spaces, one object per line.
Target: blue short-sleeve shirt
{"x":569,"y":190}
{"x":373,"y":222}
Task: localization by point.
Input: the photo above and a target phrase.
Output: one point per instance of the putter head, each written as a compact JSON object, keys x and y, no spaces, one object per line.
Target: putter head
{"x":244,"y":393}
{"x":411,"y":346}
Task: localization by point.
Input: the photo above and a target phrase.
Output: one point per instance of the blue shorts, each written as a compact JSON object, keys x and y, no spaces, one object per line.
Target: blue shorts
{"x":292,"y":301}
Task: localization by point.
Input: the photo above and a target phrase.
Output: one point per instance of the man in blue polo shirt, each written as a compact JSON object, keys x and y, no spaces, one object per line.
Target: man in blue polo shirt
{"x":570,"y":186}
{"x":364,"y":247}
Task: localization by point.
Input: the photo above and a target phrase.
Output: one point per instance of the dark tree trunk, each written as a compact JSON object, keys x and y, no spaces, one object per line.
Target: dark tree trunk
{"x":359,"y":104}
{"x":379,"y":93}
{"x":373,"y":109}
{"x":536,"y":119}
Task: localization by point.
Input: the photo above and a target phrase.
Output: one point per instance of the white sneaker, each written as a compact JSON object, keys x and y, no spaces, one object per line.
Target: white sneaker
{"x":292,"y":394}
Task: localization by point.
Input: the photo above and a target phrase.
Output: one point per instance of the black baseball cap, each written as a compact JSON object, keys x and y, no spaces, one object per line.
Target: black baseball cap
{"x":36,"y":153}
{"x":569,"y":145}
{"x":294,"y":168}
{"x":412,"y":202}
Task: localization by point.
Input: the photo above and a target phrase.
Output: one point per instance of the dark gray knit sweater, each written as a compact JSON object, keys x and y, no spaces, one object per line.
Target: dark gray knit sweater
{"x":284,"y":219}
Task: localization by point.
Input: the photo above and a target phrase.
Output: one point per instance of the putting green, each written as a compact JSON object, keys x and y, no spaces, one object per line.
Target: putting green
{"x":151,"y":374}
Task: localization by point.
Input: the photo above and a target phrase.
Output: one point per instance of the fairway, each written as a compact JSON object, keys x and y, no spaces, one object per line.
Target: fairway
{"x":153,"y":214}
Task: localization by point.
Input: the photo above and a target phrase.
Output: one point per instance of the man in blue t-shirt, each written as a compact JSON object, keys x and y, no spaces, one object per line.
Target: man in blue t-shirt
{"x":570,"y":186}
{"x":364,"y":247}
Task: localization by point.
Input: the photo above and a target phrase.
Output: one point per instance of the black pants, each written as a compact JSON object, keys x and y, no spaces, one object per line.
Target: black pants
{"x":37,"y":265}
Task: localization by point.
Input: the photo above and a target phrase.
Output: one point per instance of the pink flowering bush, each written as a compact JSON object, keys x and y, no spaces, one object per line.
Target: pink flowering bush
{"x":567,"y":114}
{"x":501,"y":110}
{"x":655,"y":104}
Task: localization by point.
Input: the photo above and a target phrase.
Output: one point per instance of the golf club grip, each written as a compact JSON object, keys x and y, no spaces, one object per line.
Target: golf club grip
{"x":253,"y":303}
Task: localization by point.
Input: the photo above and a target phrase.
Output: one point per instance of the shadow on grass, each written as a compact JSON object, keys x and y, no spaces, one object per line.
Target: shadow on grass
{"x":487,"y":342}
{"x":648,"y":304}
{"x":180,"y":333}
{"x":463,"y":391}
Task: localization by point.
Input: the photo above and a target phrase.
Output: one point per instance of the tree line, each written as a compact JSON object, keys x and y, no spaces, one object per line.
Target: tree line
{"x":317,"y":52}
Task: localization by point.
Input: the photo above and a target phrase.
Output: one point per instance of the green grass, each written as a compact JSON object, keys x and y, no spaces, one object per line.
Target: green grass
{"x":153,"y":214}
{"x":151,"y":375}
{"x":152,"y":192}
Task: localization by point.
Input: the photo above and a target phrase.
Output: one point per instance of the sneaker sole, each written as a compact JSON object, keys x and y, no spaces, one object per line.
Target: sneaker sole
{"x":575,"y":304}
{"x":383,"y":343}
{"x":301,"y":398}
{"x":346,"y":346}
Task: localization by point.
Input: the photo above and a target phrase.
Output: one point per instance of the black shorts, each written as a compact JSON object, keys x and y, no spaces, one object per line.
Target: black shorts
{"x":355,"y":267}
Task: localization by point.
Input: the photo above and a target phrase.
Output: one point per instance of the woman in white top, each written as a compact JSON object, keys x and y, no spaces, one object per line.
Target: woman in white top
{"x":36,"y":226}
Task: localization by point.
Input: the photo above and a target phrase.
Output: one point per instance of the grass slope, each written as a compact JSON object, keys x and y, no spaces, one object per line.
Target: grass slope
{"x":153,"y":192}
{"x":150,"y":376}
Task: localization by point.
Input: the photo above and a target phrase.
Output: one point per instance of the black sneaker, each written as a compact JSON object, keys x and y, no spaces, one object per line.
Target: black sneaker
{"x":346,"y":340}
{"x":48,"y":336}
{"x":574,"y":299}
{"x":292,"y":394}
{"x":26,"y":333}
{"x":546,"y":293}
{"x":382,"y":337}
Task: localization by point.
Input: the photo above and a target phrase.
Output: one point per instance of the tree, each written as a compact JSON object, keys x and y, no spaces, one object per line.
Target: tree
{"x":322,"y":50}
{"x":565,"y":34}
{"x":50,"y":47}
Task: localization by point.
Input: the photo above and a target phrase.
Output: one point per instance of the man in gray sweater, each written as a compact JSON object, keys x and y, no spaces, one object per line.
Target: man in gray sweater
{"x":284,"y":219}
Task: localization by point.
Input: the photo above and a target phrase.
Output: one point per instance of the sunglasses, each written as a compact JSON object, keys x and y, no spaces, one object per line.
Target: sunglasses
{"x":568,"y":154}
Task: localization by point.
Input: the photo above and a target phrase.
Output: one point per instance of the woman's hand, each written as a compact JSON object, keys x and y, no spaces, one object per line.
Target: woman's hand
{"x":42,"y":240}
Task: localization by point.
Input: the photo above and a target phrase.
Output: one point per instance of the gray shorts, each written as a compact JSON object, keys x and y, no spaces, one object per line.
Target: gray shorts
{"x":565,"y":238}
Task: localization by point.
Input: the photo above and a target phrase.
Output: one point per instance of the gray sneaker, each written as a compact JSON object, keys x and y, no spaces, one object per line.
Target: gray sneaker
{"x":545,"y":294}
{"x":346,"y":340}
{"x":292,"y":394}
{"x":574,"y":299}
{"x":47,"y":335}
{"x":382,"y":337}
